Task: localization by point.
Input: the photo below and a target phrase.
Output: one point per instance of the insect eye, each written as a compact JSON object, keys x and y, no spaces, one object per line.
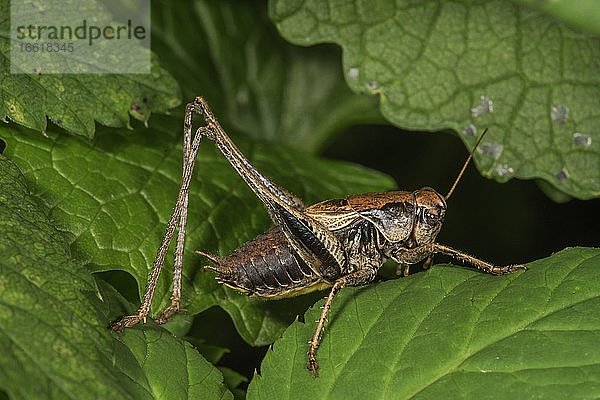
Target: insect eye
{"x":433,"y":218}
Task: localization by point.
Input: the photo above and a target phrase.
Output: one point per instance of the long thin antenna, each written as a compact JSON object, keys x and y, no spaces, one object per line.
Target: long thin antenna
{"x":464,"y":167}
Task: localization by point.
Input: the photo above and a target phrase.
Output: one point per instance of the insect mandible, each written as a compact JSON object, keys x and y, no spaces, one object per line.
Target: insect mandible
{"x":328,"y":245}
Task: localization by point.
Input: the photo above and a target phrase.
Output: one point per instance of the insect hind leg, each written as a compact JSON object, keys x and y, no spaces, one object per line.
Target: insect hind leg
{"x":177,"y":221}
{"x":190,"y":152}
{"x":263,"y":187}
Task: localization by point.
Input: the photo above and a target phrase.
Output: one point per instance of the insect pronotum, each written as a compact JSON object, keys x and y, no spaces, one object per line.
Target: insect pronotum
{"x":328,"y":245}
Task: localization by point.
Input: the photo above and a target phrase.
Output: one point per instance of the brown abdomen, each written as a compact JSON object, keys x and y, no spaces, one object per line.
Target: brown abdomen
{"x":266,"y":267}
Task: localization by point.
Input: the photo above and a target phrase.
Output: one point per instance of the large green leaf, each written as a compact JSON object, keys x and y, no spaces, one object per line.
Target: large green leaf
{"x":168,"y":368}
{"x":75,"y":101}
{"x":452,"y":333}
{"x":53,"y":334}
{"x":468,"y":65}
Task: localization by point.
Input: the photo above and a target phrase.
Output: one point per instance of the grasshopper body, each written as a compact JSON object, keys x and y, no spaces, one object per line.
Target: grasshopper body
{"x":331,"y":244}
{"x":369,"y":228}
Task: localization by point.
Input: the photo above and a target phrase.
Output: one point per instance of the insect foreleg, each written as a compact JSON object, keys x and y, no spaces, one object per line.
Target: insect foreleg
{"x":357,"y":278}
{"x":414,"y":255}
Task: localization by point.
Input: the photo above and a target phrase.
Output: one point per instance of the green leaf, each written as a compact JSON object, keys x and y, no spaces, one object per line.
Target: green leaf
{"x":75,"y":101}
{"x":47,"y":330}
{"x":212,"y":353}
{"x":467,"y":66}
{"x":169,"y":368}
{"x":233,"y":380}
{"x":452,"y":333}
{"x":53,"y":334}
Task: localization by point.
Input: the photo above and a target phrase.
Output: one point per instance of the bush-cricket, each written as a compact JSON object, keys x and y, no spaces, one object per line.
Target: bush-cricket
{"x":328,"y":245}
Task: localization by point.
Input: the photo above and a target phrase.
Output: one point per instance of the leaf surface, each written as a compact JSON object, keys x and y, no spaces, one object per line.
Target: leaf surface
{"x":466,"y":66}
{"x":169,"y":368}
{"x":76,"y":101}
{"x":584,"y":14}
{"x":53,"y":334}
{"x":452,"y":333}
{"x":264,"y":87}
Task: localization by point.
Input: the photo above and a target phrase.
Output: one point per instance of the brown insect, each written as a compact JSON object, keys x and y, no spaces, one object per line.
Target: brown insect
{"x":328,"y":245}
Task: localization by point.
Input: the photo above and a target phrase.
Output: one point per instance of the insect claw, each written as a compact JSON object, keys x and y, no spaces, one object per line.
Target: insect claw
{"x":312,"y":366}
{"x":126,"y":322}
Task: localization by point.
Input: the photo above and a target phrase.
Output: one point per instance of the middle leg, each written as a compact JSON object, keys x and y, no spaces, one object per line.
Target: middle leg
{"x":357,"y":278}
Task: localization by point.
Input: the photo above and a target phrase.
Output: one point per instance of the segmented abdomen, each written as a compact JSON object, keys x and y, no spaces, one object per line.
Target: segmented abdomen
{"x":267,"y":267}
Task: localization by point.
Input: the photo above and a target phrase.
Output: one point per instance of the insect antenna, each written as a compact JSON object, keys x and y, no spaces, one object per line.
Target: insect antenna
{"x":465,"y":165}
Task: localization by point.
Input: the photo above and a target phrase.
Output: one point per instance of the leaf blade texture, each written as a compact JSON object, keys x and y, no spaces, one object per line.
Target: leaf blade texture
{"x":74,"y":101}
{"x":452,"y":332}
{"x":53,"y":333}
{"x":530,"y":79}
